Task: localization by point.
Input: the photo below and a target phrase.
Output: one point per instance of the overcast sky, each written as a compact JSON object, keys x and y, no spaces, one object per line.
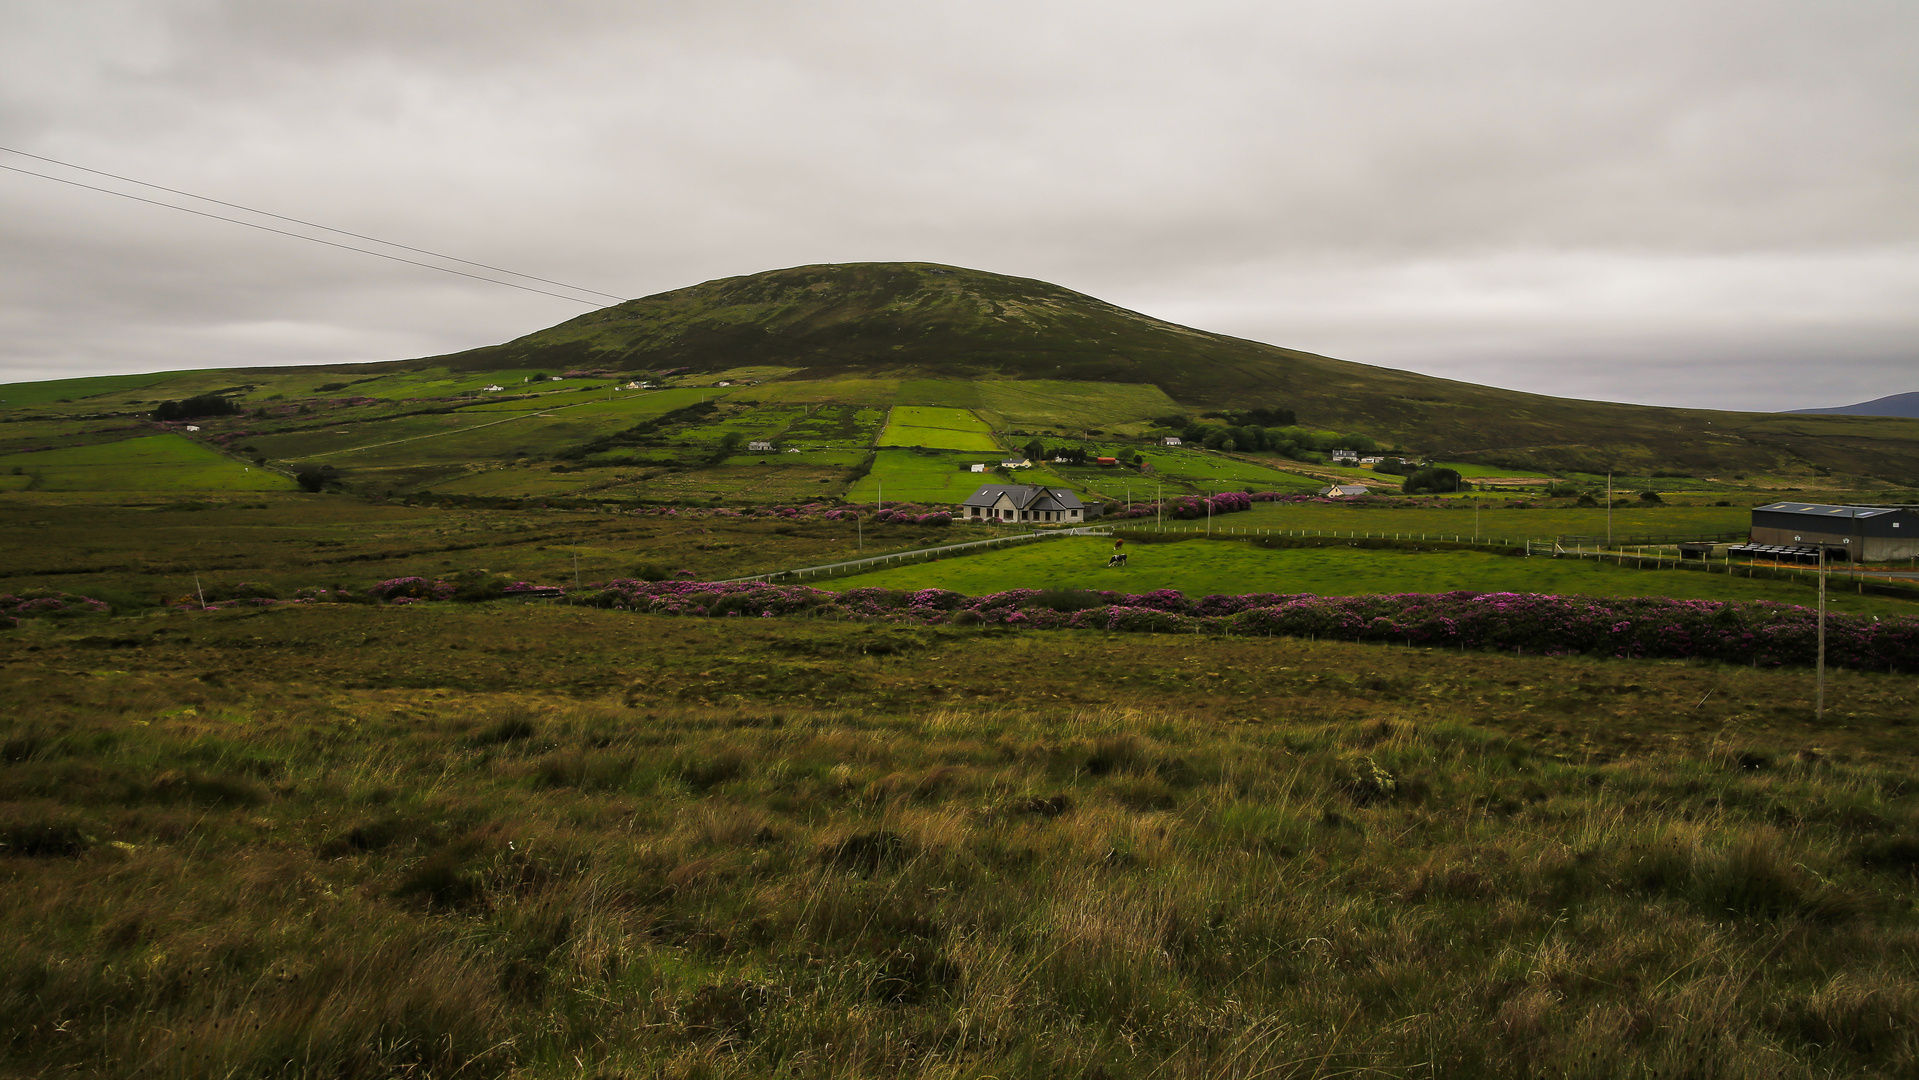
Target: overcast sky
{"x":1671,"y":202}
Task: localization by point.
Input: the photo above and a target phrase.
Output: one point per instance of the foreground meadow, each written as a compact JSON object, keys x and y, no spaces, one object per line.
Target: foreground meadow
{"x":496,"y":840}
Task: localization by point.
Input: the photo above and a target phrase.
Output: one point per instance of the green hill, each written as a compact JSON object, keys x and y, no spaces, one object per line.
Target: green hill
{"x":816,"y":358}
{"x":946,"y":322}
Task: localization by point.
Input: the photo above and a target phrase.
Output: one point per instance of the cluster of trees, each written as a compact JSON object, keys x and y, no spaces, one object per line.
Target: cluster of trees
{"x":1284,"y":441}
{"x":1072,"y":455}
{"x":1434,"y":480}
{"x":190,"y":408}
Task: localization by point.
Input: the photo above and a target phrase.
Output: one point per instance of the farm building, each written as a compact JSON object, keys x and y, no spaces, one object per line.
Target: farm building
{"x":1170,"y":440}
{"x":1851,"y":533}
{"x":1023,"y":502}
{"x":1345,"y":455}
{"x":1338,"y":491}
{"x":760,"y":445}
{"x":977,"y":468}
{"x":1016,"y":463}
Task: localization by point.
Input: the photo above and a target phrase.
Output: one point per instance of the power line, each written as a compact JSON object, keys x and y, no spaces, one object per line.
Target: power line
{"x":309,"y":224}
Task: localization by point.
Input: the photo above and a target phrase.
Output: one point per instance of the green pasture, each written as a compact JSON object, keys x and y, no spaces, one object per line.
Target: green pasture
{"x":23,"y":436}
{"x":151,"y":463}
{"x":23,"y":395}
{"x":851,"y":427}
{"x":1494,"y":521}
{"x":826,"y":457}
{"x":1203,"y":568}
{"x":760,"y":422}
{"x":1175,"y":469}
{"x":471,"y":434}
{"x":935,"y":428}
{"x":836,"y":391}
{"x":934,"y":479}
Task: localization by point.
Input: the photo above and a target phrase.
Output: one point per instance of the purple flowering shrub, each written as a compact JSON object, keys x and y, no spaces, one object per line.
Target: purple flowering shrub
{"x":1764,"y":632}
{"x":394,"y":590}
{"x":320,"y":594}
{"x":46,"y":603}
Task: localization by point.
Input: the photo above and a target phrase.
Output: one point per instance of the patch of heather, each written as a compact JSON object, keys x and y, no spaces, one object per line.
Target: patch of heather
{"x":1764,"y":633}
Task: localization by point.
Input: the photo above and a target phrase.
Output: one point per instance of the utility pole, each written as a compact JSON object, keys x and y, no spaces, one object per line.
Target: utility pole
{"x":882,"y":503}
{"x":1608,"y":507}
{"x":1819,"y":703}
{"x":1159,"y":505}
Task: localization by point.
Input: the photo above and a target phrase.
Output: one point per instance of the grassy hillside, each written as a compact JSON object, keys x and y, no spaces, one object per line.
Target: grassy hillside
{"x":907,"y":320}
{"x":815,"y":358}
{"x":448,"y":841}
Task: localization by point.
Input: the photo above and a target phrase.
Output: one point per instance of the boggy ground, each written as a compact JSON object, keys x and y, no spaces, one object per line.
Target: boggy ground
{"x":540,"y":841}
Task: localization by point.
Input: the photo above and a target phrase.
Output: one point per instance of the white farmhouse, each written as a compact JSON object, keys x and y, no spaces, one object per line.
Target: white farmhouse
{"x":1023,"y":502}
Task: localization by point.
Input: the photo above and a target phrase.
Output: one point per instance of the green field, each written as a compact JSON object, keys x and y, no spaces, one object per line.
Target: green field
{"x":57,"y":391}
{"x":931,"y":478}
{"x":1494,"y":520}
{"x":937,"y":429}
{"x":1202,"y":568}
{"x":152,"y":463}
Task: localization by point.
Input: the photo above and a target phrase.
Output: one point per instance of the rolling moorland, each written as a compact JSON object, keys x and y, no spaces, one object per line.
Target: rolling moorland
{"x":267,"y":808}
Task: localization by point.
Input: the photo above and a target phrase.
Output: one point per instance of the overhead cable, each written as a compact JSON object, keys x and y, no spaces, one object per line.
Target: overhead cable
{"x":309,"y":224}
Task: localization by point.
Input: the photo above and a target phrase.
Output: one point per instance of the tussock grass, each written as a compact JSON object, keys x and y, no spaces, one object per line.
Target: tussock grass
{"x":234,"y":855}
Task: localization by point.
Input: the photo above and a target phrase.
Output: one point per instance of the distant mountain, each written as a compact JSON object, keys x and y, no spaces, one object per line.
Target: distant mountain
{"x":1906,"y":405}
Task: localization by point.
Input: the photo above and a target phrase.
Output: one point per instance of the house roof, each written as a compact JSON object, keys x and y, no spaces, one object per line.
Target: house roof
{"x":1346,"y":489}
{"x":1025,"y":497}
{"x":1825,"y":511}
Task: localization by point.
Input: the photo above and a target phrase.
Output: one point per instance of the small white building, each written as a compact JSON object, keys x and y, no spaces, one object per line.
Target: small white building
{"x":1371,"y":460}
{"x":1170,"y":440}
{"x":193,"y":427}
{"x":632,"y":386}
{"x":1343,"y":491}
{"x":1345,"y":455}
{"x":977,"y":468}
{"x":760,"y":446}
{"x":495,"y":388}
{"x":1016,"y":463}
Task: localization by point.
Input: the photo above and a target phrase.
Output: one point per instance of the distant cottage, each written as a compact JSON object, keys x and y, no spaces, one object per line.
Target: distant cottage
{"x":1340,"y":491}
{"x":1016,"y":463}
{"x":1022,"y":502}
{"x":1345,"y":455}
{"x":1170,"y":440}
{"x":760,"y":445}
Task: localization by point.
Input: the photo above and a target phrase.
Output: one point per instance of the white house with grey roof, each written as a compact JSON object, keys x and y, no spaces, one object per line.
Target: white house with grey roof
{"x":1024,"y":503}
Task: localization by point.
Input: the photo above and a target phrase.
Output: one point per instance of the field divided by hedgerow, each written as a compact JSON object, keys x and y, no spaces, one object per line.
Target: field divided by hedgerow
{"x":148,"y":463}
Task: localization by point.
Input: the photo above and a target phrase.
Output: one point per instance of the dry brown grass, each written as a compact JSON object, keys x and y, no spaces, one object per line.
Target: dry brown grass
{"x":257,"y":846}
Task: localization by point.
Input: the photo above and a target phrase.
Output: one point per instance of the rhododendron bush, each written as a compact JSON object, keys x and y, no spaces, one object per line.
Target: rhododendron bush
{"x":1734,"y":632}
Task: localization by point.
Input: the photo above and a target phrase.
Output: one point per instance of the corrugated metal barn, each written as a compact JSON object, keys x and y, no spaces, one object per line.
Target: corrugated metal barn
{"x":1852,"y":533}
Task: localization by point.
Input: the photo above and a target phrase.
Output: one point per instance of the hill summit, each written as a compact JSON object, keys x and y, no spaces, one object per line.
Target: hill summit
{"x":926,"y":320}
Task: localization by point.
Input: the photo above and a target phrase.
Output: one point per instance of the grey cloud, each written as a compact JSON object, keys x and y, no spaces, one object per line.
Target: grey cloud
{"x":1461,"y":189}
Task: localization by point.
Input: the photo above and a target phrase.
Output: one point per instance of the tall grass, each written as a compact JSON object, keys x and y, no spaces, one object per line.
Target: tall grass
{"x":278,"y":871}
